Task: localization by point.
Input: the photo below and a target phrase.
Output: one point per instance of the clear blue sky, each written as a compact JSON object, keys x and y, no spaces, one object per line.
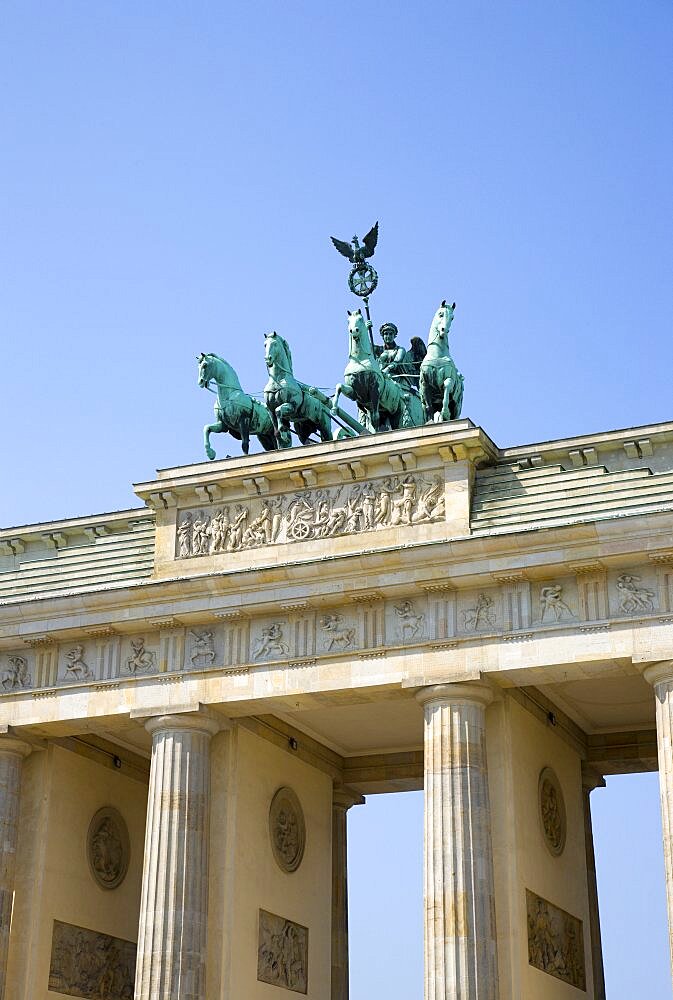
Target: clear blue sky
{"x":170,"y":175}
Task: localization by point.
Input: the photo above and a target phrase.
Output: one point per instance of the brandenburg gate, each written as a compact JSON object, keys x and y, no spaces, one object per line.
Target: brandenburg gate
{"x":194,"y":692}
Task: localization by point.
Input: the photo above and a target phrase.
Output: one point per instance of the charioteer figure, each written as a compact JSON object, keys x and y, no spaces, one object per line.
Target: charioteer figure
{"x":397,"y":362}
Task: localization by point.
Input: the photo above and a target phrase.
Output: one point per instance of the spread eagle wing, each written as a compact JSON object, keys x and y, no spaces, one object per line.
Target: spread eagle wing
{"x":345,"y":248}
{"x":418,"y":350}
{"x":370,"y":240}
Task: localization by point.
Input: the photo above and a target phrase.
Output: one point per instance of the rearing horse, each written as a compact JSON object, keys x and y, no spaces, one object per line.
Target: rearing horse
{"x":385,"y":401}
{"x":235,"y":410}
{"x":290,"y":400}
{"x":441,"y":383}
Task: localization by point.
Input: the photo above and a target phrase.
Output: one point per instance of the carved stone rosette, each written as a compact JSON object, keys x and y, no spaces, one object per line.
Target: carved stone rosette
{"x":552,"y":811}
{"x":108,"y":848}
{"x":287,"y":829}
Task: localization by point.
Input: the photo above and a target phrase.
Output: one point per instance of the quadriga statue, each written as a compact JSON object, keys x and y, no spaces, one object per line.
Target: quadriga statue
{"x":441,"y":383}
{"x":235,"y":411}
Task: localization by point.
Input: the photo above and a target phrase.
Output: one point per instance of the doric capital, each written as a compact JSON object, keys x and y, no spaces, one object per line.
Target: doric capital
{"x":591,"y":777}
{"x":476,"y":692}
{"x":14,"y":746}
{"x":658,"y":673}
{"x":196,"y":722}
{"x":344,"y":798}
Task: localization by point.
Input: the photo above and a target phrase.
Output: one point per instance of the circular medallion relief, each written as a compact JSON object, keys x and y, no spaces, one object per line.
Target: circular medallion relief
{"x":108,"y":848}
{"x":287,"y":829}
{"x":552,"y":811}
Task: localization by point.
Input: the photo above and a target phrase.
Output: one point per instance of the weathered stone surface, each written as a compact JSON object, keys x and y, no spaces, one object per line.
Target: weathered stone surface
{"x":89,"y":964}
{"x":555,"y":941}
{"x":12,"y":752}
{"x":174,"y":905}
{"x":282,"y":958}
{"x":460,"y":938}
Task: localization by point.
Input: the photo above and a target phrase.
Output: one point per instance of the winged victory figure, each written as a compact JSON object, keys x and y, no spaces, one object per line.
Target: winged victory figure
{"x":356,"y":252}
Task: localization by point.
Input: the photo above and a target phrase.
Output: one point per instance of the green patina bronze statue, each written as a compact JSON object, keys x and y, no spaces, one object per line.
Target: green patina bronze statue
{"x":236,"y":411}
{"x":391,"y":386}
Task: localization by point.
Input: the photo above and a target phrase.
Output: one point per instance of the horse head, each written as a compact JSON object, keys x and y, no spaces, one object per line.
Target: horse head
{"x":360,"y":341}
{"x":441,"y":323}
{"x":205,"y":369}
{"x":277,"y":352}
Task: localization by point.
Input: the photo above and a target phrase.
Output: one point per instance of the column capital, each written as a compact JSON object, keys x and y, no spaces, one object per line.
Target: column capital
{"x":478,"y":692}
{"x":657,"y":673}
{"x":15,"y":746}
{"x":196,"y":722}
{"x":344,"y":798}
{"x":591,"y":777}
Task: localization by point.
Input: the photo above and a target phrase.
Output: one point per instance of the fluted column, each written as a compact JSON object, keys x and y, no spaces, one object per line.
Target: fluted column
{"x":342,"y":801}
{"x":12,"y":753}
{"x":460,"y":939}
{"x":660,"y":675}
{"x":592,"y":779}
{"x":171,"y":961}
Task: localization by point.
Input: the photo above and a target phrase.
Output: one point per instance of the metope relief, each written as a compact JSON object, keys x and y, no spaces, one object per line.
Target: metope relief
{"x":551,"y":806}
{"x":271,"y":640}
{"x":203,"y":648}
{"x":311,"y":514}
{"x":553,"y":607}
{"x":481,"y":616}
{"x":632,"y":597}
{"x":282,"y":956}
{"x":336,"y":634}
{"x":409,"y":621}
{"x":108,"y":848}
{"x":141,"y":660}
{"x":76,"y":668}
{"x":16,"y":676}
{"x":287,"y":829}
{"x":87,"y":964}
{"x":555,"y":941}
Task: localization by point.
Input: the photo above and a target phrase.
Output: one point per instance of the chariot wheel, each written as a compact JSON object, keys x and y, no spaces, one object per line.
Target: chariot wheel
{"x":362,"y":280}
{"x":301,"y":531}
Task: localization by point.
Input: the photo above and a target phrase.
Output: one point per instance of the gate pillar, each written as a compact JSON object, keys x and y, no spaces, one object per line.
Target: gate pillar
{"x":660,"y":675}
{"x":174,"y":904}
{"x":460,"y":936}
{"x":12,"y":752}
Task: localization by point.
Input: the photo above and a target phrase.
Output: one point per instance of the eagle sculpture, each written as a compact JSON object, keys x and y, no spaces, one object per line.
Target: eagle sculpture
{"x":355,"y":252}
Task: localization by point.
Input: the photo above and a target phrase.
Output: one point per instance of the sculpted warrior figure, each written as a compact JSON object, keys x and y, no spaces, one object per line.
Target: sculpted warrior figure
{"x":271,"y":640}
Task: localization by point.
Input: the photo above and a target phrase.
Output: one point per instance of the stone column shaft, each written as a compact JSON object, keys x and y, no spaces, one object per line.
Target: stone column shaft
{"x":460,"y":938}
{"x":590,"y":781}
{"x":661,"y":677}
{"x":171,"y":960}
{"x":341,"y":803}
{"x":12,"y":752}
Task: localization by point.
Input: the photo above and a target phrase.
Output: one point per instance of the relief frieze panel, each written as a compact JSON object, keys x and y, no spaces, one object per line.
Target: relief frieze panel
{"x":89,"y":964}
{"x":555,"y":941}
{"x":282,"y":954}
{"x":396,"y":501}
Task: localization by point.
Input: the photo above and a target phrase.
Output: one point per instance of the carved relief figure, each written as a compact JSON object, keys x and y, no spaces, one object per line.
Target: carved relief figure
{"x":141,"y":658}
{"x":108,"y":848}
{"x":200,"y":534}
{"x":282,"y":958}
{"x":482,"y":615}
{"x":555,"y":941}
{"x":16,"y":674}
{"x":271,"y":641}
{"x":185,"y":535}
{"x":87,"y":964}
{"x":203,"y":648}
{"x":632,"y":597}
{"x":553,"y":605}
{"x":552,"y":811}
{"x":315,"y":514}
{"x":75,"y":665}
{"x":287,"y":829}
{"x":410,"y":624}
{"x":336,"y":635}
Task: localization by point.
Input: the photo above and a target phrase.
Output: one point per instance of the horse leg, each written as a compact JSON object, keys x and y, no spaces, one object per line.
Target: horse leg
{"x":341,"y":389}
{"x":244,"y":431}
{"x":446,"y":413}
{"x":426,"y":398}
{"x":283,"y":433}
{"x":209,"y":429}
